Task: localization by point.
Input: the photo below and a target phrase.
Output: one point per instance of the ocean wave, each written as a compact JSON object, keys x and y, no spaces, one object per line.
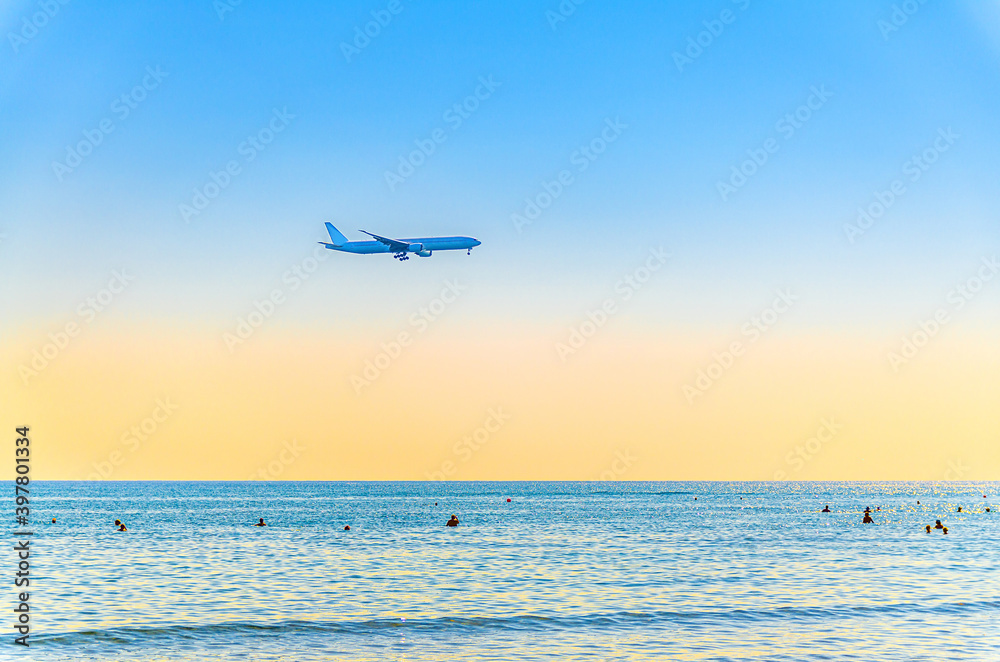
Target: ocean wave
{"x":518,"y":623}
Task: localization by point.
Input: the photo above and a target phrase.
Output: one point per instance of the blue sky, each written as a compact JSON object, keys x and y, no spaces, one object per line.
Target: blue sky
{"x":656,"y":185}
{"x":199,"y":89}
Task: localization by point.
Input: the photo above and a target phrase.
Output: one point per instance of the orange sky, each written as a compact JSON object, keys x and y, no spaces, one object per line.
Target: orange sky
{"x":472,"y":403}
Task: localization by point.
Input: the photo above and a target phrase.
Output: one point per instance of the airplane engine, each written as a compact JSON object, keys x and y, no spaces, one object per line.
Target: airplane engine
{"x":424,"y":253}
{"x":415,"y":248}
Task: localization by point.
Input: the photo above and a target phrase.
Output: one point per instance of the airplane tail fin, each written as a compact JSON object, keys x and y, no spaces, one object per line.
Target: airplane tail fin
{"x":335,"y":236}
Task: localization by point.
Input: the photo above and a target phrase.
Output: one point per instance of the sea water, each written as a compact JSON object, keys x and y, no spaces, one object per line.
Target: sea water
{"x":597,"y":571}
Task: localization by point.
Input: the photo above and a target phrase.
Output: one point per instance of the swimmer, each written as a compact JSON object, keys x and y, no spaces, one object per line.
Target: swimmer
{"x":347,"y":528}
{"x":260,"y":522}
{"x":928,"y":527}
{"x":945,"y":531}
{"x":118,"y":522}
{"x":122,"y":528}
{"x":452,"y":522}
{"x":868,"y":519}
{"x":959,"y":509}
{"x":53,"y":520}
{"x":826,"y":509}
{"x":987,"y":510}
{"x":938,"y":524}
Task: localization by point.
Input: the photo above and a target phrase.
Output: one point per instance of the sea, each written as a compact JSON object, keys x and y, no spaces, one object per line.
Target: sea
{"x":535,"y":571}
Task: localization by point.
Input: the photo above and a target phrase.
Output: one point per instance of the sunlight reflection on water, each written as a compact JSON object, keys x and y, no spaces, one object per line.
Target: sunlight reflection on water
{"x":625,"y":571}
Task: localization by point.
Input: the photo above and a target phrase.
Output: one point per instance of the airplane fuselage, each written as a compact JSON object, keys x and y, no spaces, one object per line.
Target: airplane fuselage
{"x":424,"y":243}
{"x":400,"y":248}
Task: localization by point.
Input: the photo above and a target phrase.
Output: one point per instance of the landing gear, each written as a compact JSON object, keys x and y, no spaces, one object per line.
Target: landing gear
{"x":401,"y":256}
{"x":470,"y":252}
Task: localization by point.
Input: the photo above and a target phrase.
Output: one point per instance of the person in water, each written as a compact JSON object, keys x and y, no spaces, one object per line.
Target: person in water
{"x":122,"y":528}
{"x":868,"y":518}
{"x":118,"y":522}
{"x":453,"y":521}
{"x":928,"y":527}
{"x":945,"y":531}
{"x":260,"y":522}
{"x":826,"y":509}
{"x":938,"y":524}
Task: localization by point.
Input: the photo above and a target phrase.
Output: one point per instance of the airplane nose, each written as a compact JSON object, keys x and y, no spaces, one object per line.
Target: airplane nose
{"x":477,"y":242}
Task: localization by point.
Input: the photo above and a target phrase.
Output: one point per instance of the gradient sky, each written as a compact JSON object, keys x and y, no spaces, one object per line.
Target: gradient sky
{"x":286,"y":403}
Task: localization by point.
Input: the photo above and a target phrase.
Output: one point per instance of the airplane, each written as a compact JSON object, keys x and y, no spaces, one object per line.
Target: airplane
{"x":400,"y":248}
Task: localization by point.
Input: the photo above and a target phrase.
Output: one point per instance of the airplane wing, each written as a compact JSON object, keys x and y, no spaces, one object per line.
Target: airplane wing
{"x":393,"y":244}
